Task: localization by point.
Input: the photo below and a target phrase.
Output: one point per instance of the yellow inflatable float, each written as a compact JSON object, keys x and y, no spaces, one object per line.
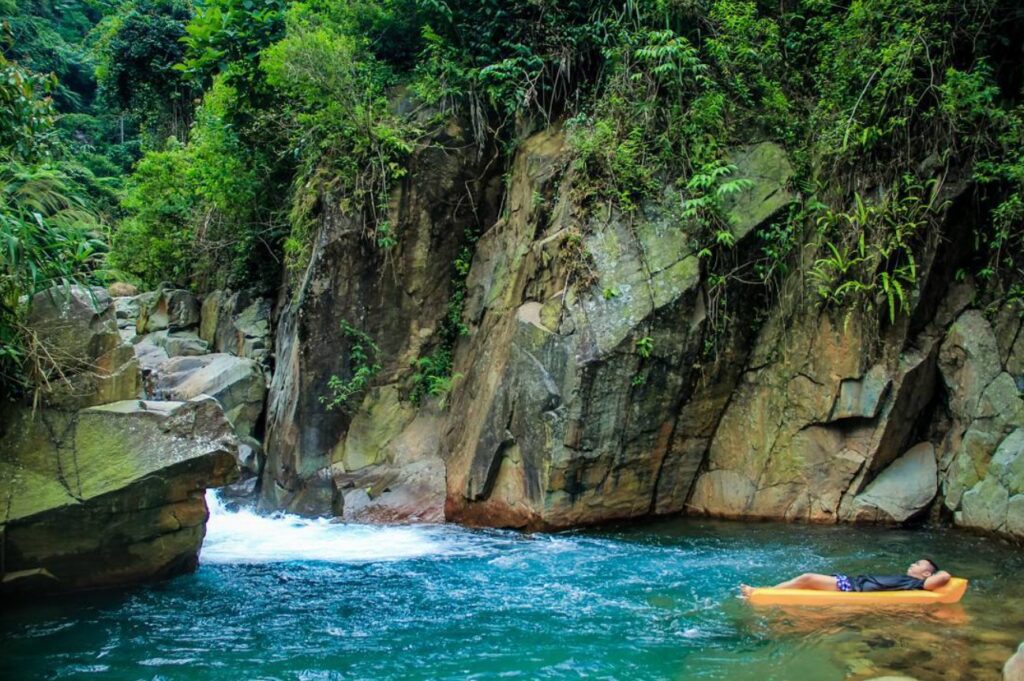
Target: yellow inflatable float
{"x":951,"y":592}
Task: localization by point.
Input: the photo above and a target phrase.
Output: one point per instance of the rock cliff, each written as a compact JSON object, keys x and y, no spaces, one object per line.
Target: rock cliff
{"x":596,"y":380}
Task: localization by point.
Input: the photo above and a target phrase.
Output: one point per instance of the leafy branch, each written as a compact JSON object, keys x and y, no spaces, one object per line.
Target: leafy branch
{"x":364,"y":363}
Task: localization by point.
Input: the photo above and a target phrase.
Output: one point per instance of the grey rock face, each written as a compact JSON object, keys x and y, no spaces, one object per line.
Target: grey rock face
{"x":414,"y":492}
{"x":167,"y":308}
{"x":397,"y":297}
{"x":236,"y":383}
{"x":904,"y":489}
{"x":598,"y":380}
{"x":237,"y":323}
{"x":583,"y":403}
{"x":173,"y":343}
{"x":77,"y":341}
{"x":982,"y":456}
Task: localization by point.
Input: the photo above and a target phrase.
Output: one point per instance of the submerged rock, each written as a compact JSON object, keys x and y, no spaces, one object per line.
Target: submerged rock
{"x":108,"y":495}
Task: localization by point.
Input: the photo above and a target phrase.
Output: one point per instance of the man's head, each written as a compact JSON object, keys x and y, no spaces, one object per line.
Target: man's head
{"x":922,"y":569}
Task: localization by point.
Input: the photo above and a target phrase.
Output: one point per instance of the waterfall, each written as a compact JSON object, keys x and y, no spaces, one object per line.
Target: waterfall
{"x":247,"y":537}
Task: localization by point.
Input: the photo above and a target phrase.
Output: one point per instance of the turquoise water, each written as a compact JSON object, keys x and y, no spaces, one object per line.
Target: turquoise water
{"x":285,"y":598}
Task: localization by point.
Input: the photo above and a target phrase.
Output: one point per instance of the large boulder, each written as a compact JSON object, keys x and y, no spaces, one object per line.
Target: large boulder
{"x":237,"y":323}
{"x":410,"y":493}
{"x":982,"y":455}
{"x":767,"y":167}
{"x":831,"y":396}
{"x":167,"y":308}
{"x":387,"y":469}
{"x":126,"y":311}
{"x":174,"y":343}
{"x":76,"y":342}
{"x":810,"y":426}
{"x":589,"y":402}
{"x":236,"y":383}
{"x":902,"y":490}
{"x":108,"y":495}
{"x":120,"y":289}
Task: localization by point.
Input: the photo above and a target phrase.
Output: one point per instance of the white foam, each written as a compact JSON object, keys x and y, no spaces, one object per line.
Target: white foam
{"x":246,"y":537}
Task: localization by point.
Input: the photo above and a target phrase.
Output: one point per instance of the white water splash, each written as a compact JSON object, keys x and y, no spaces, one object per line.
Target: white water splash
{"x":246,"y":537}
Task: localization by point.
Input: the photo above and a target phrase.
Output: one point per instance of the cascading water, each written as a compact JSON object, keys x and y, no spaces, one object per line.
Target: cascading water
{"x":246,"y":537}
{"x":282,"y":597}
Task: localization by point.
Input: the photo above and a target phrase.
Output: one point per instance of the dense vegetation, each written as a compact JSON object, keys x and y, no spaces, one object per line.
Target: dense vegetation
{"x":202,"y":140}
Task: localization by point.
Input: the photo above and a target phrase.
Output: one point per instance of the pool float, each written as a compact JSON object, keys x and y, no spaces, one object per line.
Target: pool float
{"x":951,"y":592}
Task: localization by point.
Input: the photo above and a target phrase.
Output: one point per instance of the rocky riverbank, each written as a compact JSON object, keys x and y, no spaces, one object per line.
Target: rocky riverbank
{"x":101,"y":485}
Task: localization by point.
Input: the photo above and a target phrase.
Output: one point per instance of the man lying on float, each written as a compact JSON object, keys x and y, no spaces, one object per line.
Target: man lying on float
{"x":923,"y":574}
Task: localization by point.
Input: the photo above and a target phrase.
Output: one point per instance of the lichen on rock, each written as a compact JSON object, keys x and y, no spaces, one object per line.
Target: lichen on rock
{"x":108,"y":495}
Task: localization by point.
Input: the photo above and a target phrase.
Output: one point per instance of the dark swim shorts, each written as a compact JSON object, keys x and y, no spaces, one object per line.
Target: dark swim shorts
{"x":843,"y":583}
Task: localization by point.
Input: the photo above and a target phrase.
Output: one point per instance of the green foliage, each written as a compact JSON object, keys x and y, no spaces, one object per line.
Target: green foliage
{"x":880,"y":261}
{"x":49,"y":37}
{"x":682,"y":82}
{"x":349,"y":144}
{"x":197,"y":214}
{"x":49,"y":233}
{"x":644,"y":346}
{"x":26,"y":126}
{"x":55,"y":38}
{"x":363,"y":365}
{"x":611,"y":164}
{"x":156,"y":242}
{"x":228,"y":37}
{"x":434,"y":377}
{"x":504,"y":57}
{"x":705,"y":191}
{"x":137,"y":49}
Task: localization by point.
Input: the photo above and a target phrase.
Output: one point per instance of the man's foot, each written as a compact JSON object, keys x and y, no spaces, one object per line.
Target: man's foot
{"x":745,"y":590}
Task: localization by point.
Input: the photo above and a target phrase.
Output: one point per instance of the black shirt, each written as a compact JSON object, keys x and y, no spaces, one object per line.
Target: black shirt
{"x":885,"y":583}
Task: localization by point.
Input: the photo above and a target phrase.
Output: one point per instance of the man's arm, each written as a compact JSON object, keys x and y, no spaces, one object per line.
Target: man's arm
{"x":940,"y":578}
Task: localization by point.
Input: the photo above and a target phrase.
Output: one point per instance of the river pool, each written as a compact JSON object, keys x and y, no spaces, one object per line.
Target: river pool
{"x":287,"y":598}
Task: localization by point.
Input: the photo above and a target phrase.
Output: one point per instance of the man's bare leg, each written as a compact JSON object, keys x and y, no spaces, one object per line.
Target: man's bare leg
{"x":808,"y":580}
